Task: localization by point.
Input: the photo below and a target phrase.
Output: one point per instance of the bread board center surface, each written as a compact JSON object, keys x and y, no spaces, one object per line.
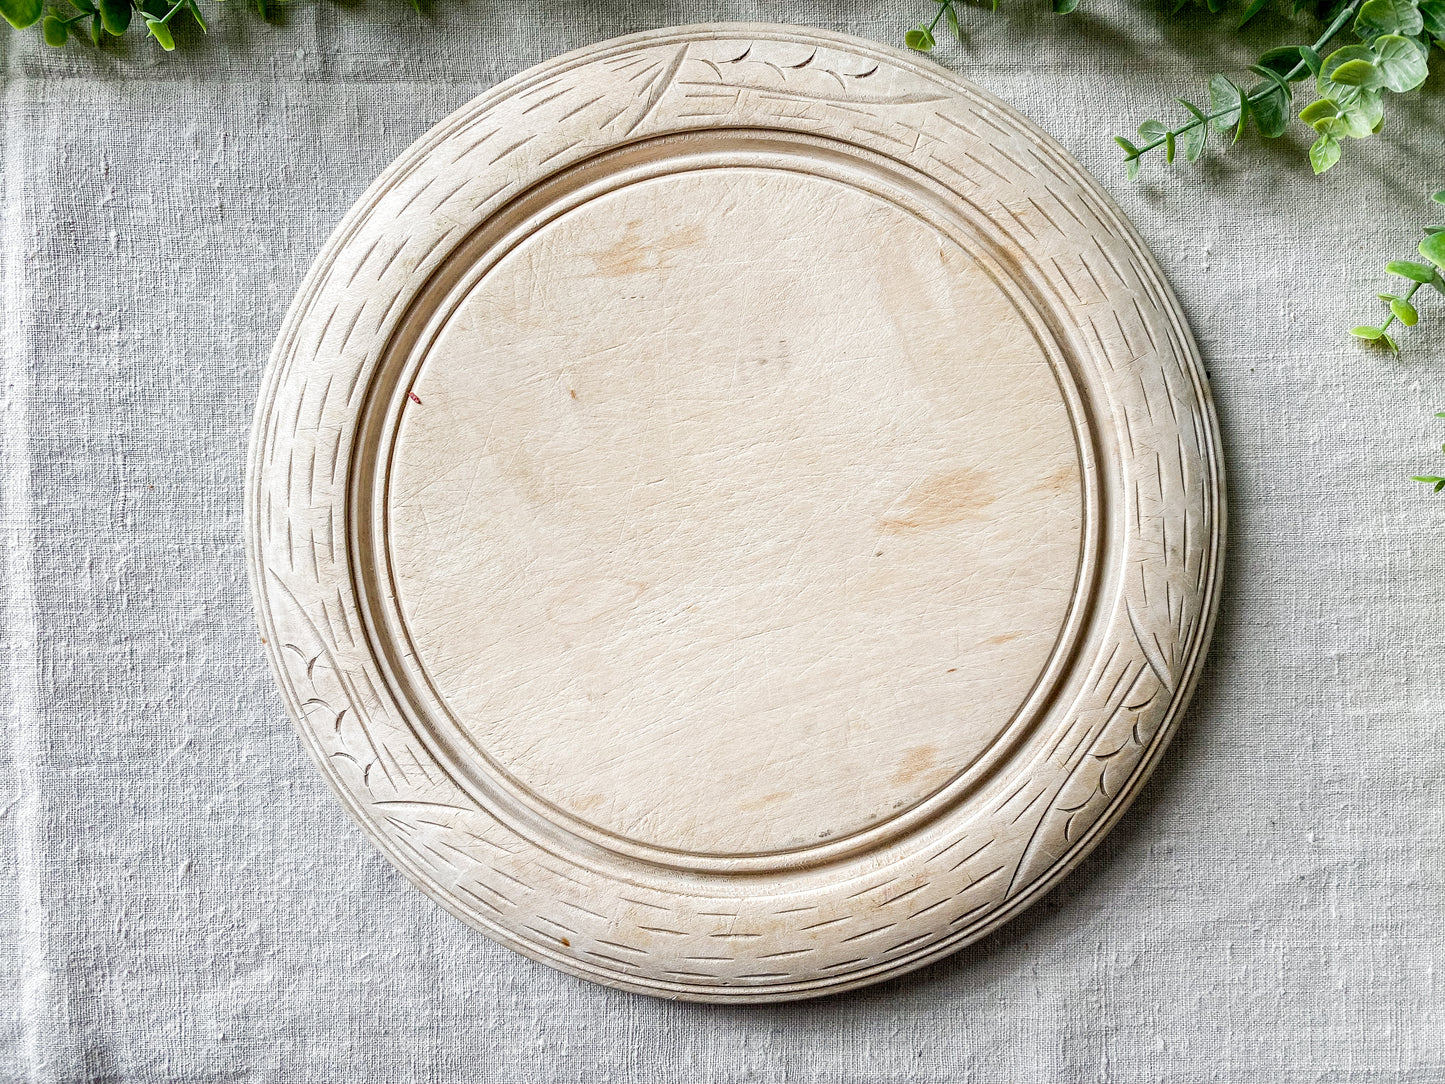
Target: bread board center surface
{"x":734,"y":511}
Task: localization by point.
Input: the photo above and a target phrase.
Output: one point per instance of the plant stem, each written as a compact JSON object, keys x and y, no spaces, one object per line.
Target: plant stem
{"x":1299,"y":69}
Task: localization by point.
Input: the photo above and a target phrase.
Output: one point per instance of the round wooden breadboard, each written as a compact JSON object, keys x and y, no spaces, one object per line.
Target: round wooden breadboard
{"x":735,"y":512}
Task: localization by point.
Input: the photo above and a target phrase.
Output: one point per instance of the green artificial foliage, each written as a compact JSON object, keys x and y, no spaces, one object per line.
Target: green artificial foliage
{"x":1401,"y":307}
{"x":1390,"y":54}
{"x":102,"y":19}
{"x":108,"y":18}
{"x":1350,"y":81}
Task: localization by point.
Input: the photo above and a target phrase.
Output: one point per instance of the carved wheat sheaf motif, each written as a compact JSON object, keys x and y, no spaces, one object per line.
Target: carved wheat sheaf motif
{"x":940,"y":871}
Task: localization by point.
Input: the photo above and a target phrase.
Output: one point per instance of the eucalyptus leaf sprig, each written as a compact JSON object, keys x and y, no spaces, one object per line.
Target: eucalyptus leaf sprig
{"x":921,"y":36}
{"x":99,"y":19}
{"x":1392,"y":53}
{"x":1402,"y":307}
{"x":103,"y":19}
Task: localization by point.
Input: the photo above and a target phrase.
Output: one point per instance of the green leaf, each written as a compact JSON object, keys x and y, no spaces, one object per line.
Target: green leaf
{"x":1439,"y":197}
{"x":1379,"y":17}
{"x":1151,"y":130}
{"x":1192,"y":142}
{"x":1404,"y":312}
{"x":1415,"y":272}
{"x":55,"y":31}
{"x":1130,"y":151}
{"x":1338,"y":59}
{"x":1401,"y":63}
{"x":196,"y":14}
{"x":1286,"y":59}
{"x":1169,"y":146}
{"x":1199,"y":113}
{"x":1387,"y":298}
{"x":1274,"y":106}
{"x":161,"y":32}
{"x":1371,"y":333}
{"x":97,"y":29}
{"x":1224,"y":100}
{"x":1389,"y":342}
{"x":1272,"y":75}
{"x":116,"y":16}
{"x":920,"y":38}
{"x":1131,"y":169}
{"x":1063,"y":7}
{"x":1357,"y":73}
{"x":1319,"y":110}
{"x":1432,"y":15}
{"x":1270,"y":111}
{"x":21,"y":13}
{"x":1191,"y":139}
{"x":1255,"y":7}
{"x":952,"y":17}
{"x":1324,"y":153}
{"x":1433,"y":249}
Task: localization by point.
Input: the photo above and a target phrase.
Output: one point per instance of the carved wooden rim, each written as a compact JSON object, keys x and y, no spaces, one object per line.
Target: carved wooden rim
{"x":851,"y":911}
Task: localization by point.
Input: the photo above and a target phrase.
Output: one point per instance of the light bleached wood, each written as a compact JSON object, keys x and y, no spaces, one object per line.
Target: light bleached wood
{"x":735,"y":513}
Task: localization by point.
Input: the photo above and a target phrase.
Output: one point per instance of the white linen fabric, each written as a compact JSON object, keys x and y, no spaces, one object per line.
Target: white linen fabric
{"x":181,"y":898}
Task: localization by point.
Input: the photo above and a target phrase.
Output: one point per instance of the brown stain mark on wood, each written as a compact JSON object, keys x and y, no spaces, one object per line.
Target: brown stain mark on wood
{"x":941,"y":500}
{"x":1003,"y":637}
{"x":589,"y":801}
{"x":633,"y":253}
{"x":1063,"y":480}
{"x":917,"y":761}
{"x":765,"y":800}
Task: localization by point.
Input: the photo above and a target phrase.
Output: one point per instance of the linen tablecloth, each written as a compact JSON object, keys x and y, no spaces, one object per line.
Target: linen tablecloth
{"x":181,"y":899}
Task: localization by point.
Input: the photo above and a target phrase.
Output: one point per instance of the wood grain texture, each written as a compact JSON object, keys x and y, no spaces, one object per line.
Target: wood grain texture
{"x":735,"y":513}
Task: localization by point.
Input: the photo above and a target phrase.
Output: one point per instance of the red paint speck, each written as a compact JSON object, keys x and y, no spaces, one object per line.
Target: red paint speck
{"x":414,"y":397}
